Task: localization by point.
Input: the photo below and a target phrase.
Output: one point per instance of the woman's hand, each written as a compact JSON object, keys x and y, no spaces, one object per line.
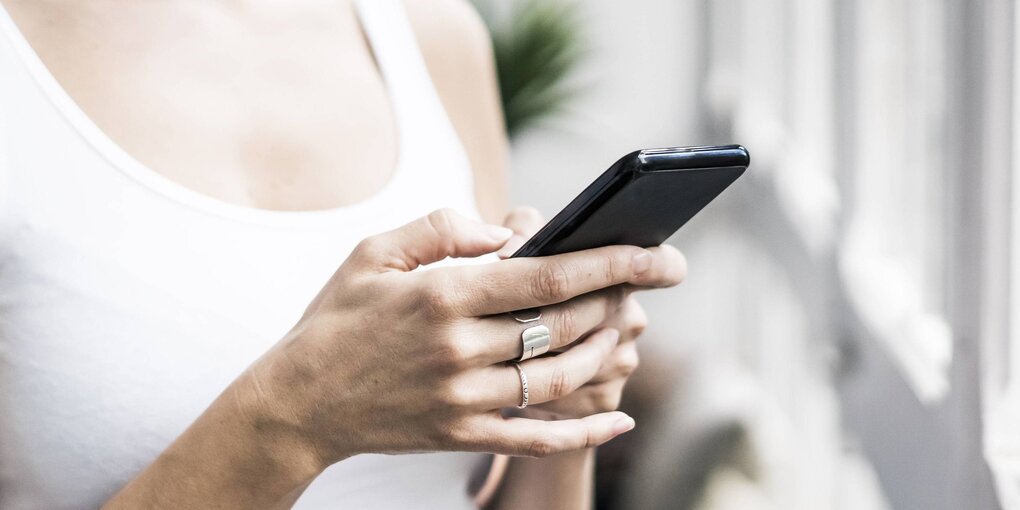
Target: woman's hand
{"x":565,"y":481}
{"x":387,"y":359}
{"x":623,"y":317}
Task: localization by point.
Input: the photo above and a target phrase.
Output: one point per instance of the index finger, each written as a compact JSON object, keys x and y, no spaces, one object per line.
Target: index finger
{"x":529,"y":282}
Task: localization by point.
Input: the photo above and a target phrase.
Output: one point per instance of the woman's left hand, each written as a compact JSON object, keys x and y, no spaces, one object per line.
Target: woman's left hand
{"x":628,"y":319}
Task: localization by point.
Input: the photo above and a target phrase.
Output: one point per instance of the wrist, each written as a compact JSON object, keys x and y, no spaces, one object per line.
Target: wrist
{"x":228,"y":457}
{"x":274,"y":432}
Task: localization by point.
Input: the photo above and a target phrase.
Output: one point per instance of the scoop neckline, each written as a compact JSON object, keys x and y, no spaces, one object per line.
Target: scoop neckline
{"x":166,"y":187}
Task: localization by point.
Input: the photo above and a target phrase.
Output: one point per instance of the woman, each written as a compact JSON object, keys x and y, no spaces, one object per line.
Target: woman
{"x":179,"y":179}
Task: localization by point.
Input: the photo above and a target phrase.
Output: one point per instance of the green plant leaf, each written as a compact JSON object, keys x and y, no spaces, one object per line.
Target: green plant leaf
{"x":536,"y":50}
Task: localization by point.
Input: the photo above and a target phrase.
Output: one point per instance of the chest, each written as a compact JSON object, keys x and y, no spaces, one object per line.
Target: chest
{"x":277,"y":110}
{"x":127,"y":303}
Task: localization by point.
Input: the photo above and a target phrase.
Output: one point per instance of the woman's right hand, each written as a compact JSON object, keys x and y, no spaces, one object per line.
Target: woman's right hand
{"x":387,"y":359}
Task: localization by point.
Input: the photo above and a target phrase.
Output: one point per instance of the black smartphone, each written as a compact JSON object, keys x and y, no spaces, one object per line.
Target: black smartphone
{"x":641,"y":200}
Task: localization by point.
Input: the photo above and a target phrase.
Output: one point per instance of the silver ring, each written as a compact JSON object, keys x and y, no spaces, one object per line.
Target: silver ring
{"x":526,"y":315}
{"x":524,"y":385}
{"x":534,"y":342}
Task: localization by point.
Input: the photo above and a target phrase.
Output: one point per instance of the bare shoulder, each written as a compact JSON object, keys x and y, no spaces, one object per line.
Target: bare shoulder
{"x":450,"y":29}
{"x":458,"y":52}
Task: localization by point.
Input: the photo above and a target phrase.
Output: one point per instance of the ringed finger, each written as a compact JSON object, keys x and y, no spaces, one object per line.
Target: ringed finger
{"x":548,"y":378}
{"x":530,"y":282}
{"x":567,"y":322}
{"x":588,"y":399}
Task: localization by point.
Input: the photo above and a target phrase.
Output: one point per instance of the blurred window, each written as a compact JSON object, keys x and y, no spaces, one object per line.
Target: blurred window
{"x":892,"y":250}
{"x":1001,"y":363}
{"x":806,"y":78}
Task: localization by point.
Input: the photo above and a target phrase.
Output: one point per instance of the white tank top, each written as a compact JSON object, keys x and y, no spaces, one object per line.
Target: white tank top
{"x":129,"y":302}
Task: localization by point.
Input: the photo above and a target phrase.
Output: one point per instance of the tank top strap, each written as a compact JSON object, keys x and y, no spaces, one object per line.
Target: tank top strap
{"x":426,"y":132}
{"x":396,"y":51}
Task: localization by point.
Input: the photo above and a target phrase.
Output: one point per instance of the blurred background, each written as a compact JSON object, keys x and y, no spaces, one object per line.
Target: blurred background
{"x":849,"y":334}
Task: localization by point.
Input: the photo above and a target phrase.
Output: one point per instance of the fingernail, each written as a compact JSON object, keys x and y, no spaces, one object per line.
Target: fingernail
{"x":642,"y":262}
{"x":624,"y":424}
{"x":511,"y":246}
{"x":498,"y":233}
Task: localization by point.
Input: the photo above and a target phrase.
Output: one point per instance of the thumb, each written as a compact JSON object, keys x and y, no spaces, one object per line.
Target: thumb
{"x":442,"y":233}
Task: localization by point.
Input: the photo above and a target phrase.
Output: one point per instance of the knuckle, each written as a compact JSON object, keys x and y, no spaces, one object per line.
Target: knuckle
{"x":635,"y":330}
{"x":540,"y":447}
{"x":637,"y":321}
{"x":439,"y":298}
{"x":614,"y":266}
{"x":559,"y":384}
{"x":606,"y":400}
{"x":629,"y":362}
{"x":451,"y":434}
{"x":552,"y":282}
{"x":590,"y":440}
{"x":369,"y":247}
{"x":566,"y":324}
{"x":616,"y":297}
{"x":460,"y":433}
{"x":441,"y":221}
{"x":436,"y":301}
{"x":442,"y":436}
{"x":457,"y":395}
{"x":452,"y":354}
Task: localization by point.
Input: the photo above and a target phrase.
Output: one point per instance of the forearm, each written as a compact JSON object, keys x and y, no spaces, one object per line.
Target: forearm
{"x":226,"y":459}
{"x":564,"y":481}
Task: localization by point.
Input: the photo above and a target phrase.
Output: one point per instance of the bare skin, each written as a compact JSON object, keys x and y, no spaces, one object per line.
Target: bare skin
{"x":565,"y":481}
{"x":245,"y":101}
